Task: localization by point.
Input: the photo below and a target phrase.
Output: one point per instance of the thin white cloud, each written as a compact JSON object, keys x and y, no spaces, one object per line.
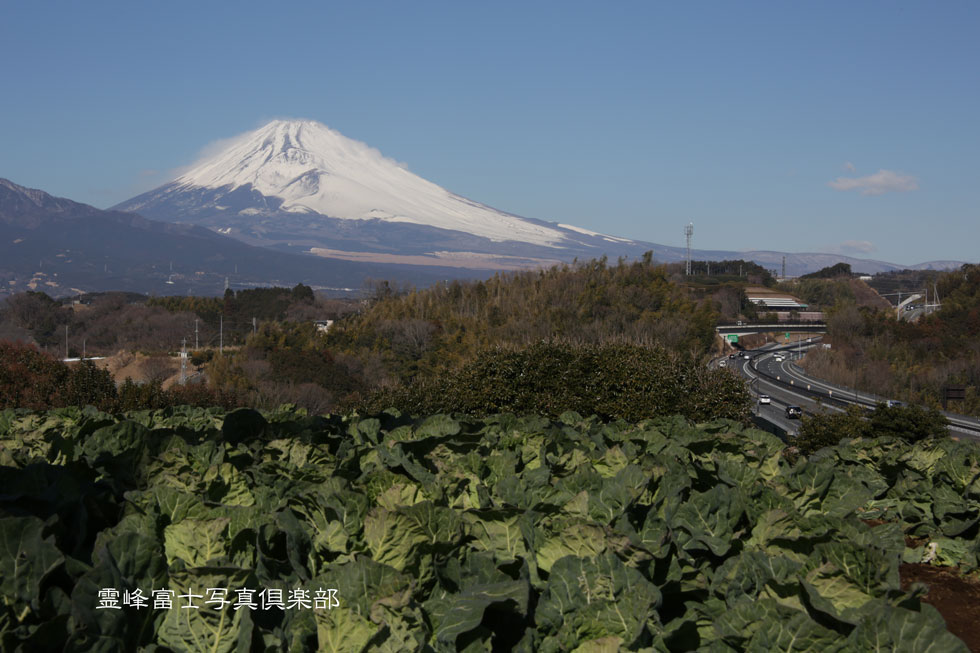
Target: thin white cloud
{"x":849,"y":166}
{"x":881,"y":182}
{"x":856,"y":247}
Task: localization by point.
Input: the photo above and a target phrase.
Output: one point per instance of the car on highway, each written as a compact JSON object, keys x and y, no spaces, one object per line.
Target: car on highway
{"x":765,"y":399}
{"x":779,"y":358}
{"x":894,"y":403}
{"x":794,"y":412}
{"x":723,"y":363}
{"x":731,"y":355}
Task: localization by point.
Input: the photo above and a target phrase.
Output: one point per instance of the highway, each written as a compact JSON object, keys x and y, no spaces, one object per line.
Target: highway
{"x":788,"y":384}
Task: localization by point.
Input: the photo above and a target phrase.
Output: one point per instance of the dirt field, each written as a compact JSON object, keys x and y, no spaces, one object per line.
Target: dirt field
{"x":957,"y":598}
{"x":141,"y":368}
{"x":769,"y":293}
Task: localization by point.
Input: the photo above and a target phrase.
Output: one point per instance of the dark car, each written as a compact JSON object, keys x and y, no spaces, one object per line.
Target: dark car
{"x":794,"y":412}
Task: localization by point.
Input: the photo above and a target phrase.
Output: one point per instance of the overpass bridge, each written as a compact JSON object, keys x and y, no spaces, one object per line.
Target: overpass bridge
{"x":746,"y":329}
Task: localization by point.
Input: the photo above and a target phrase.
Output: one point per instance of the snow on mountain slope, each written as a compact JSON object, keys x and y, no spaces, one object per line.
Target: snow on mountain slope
{"x":297,"y":186}
{"x":314,"y":169}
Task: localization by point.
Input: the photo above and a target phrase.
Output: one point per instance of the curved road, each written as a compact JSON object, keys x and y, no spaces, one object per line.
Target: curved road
{"x":788,"y":384}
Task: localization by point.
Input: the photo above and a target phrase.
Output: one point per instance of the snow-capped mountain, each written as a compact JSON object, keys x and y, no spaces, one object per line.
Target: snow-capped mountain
{"x":300,"y":185}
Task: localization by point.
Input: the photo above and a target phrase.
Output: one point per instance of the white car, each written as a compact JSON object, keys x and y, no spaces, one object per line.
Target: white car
{"x":779,"y":358}
{"x":764,"y":399}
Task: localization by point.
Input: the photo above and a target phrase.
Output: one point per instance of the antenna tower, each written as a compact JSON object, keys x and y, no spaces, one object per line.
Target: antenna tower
{"x":784,"y":268}
{"x":689,"y":233}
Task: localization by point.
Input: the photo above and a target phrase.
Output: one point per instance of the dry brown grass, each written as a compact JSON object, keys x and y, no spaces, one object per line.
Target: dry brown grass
{"x":142,"y":368}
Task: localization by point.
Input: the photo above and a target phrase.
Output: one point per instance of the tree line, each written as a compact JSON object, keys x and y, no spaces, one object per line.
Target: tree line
{"x":912,"y":361}
{"x":401,"y":337}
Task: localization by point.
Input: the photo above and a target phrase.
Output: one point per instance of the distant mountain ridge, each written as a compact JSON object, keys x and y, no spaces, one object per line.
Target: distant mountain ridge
{"x":301,"y":187}
{"x":64,"y":247}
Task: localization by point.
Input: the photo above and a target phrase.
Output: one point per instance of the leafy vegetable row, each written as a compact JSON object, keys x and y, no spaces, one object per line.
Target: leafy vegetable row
{"x":451,"y":533}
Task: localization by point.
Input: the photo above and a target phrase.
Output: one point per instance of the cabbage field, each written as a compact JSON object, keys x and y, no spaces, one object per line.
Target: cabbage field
{"x":197,"y":530}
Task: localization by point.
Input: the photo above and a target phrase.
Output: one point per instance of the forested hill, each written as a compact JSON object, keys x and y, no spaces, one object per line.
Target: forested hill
{"x":959,"y":292}
{"x":591,"y":302}
{"x":913,"y":361}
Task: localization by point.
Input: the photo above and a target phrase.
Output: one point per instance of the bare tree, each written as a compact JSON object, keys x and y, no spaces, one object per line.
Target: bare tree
{"x":158,"y":369}
{"x":409,"y":338}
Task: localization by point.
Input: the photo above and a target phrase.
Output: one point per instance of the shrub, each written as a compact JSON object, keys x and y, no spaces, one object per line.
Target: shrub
{"x":33,"y":379}
{"x":908,"y":423}
{"x":819,"y":431}
{"x":611,"y":381}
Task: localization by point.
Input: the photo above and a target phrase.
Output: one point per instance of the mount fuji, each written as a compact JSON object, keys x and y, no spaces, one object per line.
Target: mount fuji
{"x":300,"y":186}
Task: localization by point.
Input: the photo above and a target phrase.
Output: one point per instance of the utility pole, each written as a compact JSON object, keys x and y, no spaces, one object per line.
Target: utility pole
{"x":221,"y":334}
{"x":689,"y":233}
{"x":197,"y":346}
{"x":183,"y":362}
{"x":66,"y":341}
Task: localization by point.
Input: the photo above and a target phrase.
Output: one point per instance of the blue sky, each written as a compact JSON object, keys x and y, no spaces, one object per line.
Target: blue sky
{"x":825,"y":126}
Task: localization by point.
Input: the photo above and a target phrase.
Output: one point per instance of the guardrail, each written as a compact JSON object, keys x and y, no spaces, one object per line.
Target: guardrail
{"x":826,"y":397}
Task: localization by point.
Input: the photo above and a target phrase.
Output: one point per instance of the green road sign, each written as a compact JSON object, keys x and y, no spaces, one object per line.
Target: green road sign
{"x":731,"y":337}
{"x":787,"y":336}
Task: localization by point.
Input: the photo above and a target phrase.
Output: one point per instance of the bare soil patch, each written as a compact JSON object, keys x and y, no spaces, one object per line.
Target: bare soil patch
{"x":771,"y":293}
{"x":868,"y":296}
{"x":957,"y":597}
{"x":142,"y":368}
